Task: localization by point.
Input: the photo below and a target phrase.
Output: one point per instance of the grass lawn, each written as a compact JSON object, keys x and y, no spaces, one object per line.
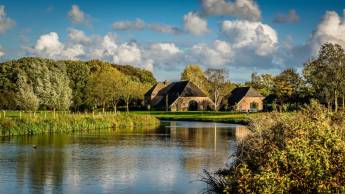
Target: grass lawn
{"x":227,"y":117}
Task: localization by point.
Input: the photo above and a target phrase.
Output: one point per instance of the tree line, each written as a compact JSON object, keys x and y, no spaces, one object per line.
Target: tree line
{"x":33,"y":83}
{"x":322,"y":78}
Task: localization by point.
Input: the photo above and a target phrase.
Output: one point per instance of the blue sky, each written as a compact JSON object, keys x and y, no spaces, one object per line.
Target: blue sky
{"x":243,"y":37}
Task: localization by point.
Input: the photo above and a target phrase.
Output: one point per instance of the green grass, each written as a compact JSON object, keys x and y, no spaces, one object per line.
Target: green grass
{"x":226,"y":117}
{"x":29,"y":123}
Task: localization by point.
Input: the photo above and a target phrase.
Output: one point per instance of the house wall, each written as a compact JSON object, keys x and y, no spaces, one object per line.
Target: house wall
{"x":244,"y":104}
{"x":182,"y":103}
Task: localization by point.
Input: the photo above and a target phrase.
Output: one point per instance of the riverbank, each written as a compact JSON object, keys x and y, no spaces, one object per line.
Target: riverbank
{"x":29,"y":123}
{"x":207,"y":116}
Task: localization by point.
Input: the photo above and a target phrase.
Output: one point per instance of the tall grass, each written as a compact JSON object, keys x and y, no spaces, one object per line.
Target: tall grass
{"x":16,"y":123}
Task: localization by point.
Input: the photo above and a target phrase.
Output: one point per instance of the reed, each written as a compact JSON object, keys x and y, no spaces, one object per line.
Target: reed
{"x":29,"y":123}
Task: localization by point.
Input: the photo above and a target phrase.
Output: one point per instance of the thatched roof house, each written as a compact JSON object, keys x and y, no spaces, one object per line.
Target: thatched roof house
{"x":177,"y":96}
{"x":245,"y":99}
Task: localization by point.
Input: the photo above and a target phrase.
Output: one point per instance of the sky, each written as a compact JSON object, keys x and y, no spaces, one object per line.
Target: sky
{"x":242,"y":36}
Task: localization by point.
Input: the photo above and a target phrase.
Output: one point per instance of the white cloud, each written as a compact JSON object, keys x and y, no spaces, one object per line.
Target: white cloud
{"x":194,"y":24}
{"x":128,"y":53}
{"x":218,"y":53}
{"x":164,"y":55}
{"x":291,"y":17}
{"x":5,"y":22}
{"x":331,"y":29}
{"x":245,"y":9}
{"x":78,"y":16}
{"x":250,"y":35}
{"x":78,"y":36}
{"x":49,"y":45}
{"x":139,"y":24}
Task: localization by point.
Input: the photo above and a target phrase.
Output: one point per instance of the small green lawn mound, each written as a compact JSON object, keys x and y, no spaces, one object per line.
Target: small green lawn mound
{"x":288,"y":153}
{"x":210,"y":116}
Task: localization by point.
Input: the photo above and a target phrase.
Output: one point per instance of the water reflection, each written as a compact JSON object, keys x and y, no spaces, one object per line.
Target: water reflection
{"x":164,"y":160}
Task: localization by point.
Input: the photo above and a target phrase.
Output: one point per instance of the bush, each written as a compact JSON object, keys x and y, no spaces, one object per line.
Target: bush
{"x":300,"y":152}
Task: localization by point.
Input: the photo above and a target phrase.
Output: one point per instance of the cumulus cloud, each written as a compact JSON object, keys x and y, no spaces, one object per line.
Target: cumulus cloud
{"x":128,"y":53}
{"x":251,"y":35}
{"x":330,"y":29}
{"x":194,"y":24}
{"x":140,"y":24}
{"x":291,"y":17}
{"x":49,"y":45}
{"x":216,"y":54}
{"x":245,"y":9}
{"x":78,"y":36}
{"x":164,"y":55}
{"x":81,"y":46}
{"x":78,"y":16}
{"x":5,"y":22}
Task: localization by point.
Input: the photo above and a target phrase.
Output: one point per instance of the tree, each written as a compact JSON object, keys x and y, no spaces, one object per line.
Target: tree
{"x":263,"y":83}
{"x":195,"y":74}
{"x":78,"y":73}
{"x":129,"y":91}
{"x":287,"y":86}
{"x":49,"y":81}
{"x":326,"y":73}
{"x":104,"y":87}
{"x":25,"y":97}
{"x":217,"y":81}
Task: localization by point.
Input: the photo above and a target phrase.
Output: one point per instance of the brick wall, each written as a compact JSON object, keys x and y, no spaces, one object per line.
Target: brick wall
{"x":244,"y":104}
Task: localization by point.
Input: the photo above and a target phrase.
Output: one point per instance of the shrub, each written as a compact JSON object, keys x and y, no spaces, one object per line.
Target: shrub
{"x":300,"y":152}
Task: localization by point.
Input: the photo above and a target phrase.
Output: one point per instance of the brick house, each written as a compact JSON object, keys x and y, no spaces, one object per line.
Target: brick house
{"x":177,"y":96}
{"x":245,"y":99}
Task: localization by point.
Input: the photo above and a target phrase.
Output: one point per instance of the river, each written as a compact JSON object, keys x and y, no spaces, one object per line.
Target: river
{"x":169,"y":159}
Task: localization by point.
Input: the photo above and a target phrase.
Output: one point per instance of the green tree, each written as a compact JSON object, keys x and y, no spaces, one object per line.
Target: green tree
{"x":25,"y":97}
{"x":326,"y":73}
{"x":78,"y":73}
{"x":263,"y":83}
{"x":287,"y":86}
{"x":104,"y":87}
{"x":131,"y":90}
{"x":49,"y":81}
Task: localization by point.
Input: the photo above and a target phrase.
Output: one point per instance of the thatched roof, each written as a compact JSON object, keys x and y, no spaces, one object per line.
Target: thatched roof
{"x":178,"y":89}
{"x":239,"y":93}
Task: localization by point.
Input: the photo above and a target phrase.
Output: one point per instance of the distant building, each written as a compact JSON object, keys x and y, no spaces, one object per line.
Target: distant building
{"x":245,"y":99}
{"x":177,"y":96}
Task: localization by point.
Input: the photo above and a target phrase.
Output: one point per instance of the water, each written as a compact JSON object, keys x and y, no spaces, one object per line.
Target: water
{"x":169,"y":159}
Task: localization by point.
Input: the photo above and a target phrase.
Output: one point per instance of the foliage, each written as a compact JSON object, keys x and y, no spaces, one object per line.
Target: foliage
{"x":300,"y":152}
{"x":264,"y":83}
{"x":104,"y":86}
{"x":78,"y":73}
{"x":32,"y":83}
{"x":326,"y":74}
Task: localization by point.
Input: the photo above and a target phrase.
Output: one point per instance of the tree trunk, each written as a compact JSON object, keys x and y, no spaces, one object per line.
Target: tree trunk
{"x":335,"y":101}
{"x":343,"y":103}
{"x":115,"y":107}
{"x":127,"y":105}
{"x":329,"y":108}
